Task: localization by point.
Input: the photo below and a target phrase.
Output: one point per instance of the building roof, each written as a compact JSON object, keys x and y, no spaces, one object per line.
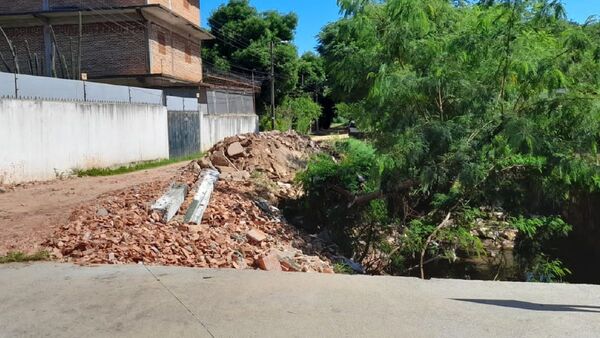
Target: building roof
{"x":65,"y":16}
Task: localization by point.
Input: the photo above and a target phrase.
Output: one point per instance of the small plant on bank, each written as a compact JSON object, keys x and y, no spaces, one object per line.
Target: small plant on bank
{"x":341,"y":268}
{"x":19,"y":257}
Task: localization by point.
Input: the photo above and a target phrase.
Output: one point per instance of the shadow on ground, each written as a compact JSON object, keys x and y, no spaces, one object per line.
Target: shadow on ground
{"x":516,"y":304}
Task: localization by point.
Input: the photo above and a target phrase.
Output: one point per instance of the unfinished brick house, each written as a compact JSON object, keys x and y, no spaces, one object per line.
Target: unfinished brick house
{"x":151,"y":43}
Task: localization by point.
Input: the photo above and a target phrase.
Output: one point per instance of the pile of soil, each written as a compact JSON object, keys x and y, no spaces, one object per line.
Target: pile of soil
{"x":239,"y":229}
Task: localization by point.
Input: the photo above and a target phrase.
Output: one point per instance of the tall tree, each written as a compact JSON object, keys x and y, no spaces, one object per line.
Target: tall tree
{"x":242,"y":45}
{"x":492,"y":104}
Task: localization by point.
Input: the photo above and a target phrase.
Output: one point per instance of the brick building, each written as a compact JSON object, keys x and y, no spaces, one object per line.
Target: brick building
{"x":151,"y":43}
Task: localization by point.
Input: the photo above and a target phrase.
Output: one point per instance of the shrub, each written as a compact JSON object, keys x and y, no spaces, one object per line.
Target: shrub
{"x":297,"y":114}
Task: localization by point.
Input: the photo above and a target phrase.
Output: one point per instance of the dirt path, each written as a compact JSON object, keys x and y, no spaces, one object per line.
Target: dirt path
{"x":29,"y":214}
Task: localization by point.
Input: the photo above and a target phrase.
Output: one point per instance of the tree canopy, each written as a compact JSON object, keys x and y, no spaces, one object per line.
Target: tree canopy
{"x":243,"y":38}
{"x":493,"y":103}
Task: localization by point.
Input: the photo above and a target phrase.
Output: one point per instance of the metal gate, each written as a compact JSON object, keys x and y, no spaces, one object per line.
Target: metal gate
{"x":184,"y":126}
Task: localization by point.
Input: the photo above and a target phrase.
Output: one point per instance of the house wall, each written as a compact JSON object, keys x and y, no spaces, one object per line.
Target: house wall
{"x":168,"y":54}
{"x":215,"y":128}
{"x":62,"y":4}
{"x":20,"y":6}
{"x":41,"y":139}
{"x":107,"y":48}
{"x":34,"y":37}
{"x":189,"y":9}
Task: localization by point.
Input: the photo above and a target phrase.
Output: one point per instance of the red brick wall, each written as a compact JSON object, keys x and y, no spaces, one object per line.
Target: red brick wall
{"x":56,"y":4}
{"x":191,"y":11}
{"x":170,"y":59}
{"x":18,"y":6}
{"x":12,"y":6}
{"x":34,"y":37}
{"x":107,"y":49}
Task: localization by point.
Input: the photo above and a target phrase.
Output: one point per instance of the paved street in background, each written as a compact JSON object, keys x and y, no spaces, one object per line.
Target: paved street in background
{"x":62,"y":300}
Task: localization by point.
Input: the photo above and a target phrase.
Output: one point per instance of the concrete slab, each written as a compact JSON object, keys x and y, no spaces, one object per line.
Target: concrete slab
{"x":58,"y":300}
{"x":259,"y":304}
{"x":135,"y":301}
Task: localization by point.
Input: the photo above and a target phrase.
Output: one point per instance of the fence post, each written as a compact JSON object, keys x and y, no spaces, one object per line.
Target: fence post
{"x":201,"y":120}
{"x":16,"y":87}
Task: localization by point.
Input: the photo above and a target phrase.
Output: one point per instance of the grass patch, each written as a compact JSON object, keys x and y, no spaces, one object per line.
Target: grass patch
{"x":341,"y":268}
{"x":133,"y":167}
{"x":17,"y":257}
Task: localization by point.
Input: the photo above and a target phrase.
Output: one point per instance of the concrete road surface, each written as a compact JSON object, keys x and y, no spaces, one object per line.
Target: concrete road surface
{"x":59,"y":300}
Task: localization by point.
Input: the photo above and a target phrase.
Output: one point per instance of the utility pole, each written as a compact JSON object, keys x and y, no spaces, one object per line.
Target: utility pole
{"x":272,"y":87}
{"x":79,"y":47}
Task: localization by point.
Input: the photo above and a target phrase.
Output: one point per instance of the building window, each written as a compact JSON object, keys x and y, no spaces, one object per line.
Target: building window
{"x":162,"y":43}
{"x":188,"y":53}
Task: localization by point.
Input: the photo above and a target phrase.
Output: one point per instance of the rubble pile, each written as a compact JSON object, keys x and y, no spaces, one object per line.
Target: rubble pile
{"x":279,"y":155}
{"x":238,"y":229}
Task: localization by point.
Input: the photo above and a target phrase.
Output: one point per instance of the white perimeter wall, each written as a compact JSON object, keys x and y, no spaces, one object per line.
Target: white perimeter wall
{"x":215,"y":128}
{"x":39,"y":139}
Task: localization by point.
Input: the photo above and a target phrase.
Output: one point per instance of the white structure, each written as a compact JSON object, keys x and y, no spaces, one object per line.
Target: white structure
{"x":50,"y":127}
{"x":42,"y":139}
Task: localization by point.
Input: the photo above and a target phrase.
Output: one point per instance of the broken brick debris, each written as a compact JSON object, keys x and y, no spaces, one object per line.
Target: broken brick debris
{"x":256,"y":235}
{"x":277,"y":154}
{"x":235,"y":231}
{"x":269,"y":263}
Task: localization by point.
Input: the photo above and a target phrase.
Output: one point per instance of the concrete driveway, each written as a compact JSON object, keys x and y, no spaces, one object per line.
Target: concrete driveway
{"x":61,"y":300}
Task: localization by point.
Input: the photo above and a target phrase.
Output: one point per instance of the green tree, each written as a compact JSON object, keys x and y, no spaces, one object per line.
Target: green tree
{"x":296,"y":113}
{"x":242,"y":44}
{"x":311,"y":74}
{"x":489,"y":104}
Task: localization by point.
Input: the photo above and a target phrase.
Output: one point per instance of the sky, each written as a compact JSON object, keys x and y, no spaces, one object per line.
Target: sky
{"x":314,"y":14}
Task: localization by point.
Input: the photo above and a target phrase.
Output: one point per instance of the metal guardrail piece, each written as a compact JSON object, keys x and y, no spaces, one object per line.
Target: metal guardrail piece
{"x":169,"y":203}
{"x":208,"y":178}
